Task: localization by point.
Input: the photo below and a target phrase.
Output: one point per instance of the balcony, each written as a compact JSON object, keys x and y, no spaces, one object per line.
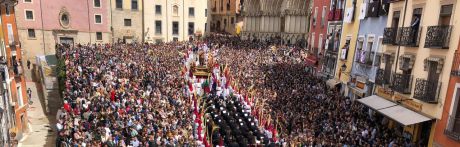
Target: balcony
{"x":408,"y":36}
{"x":382,"y":77}
{"x":438,"y":37}
{"x":364,"y":58}
{"x":17,"y":70}
{"x":456,"y":65}
{"x":427,"y":91}
{"x":338,"y":14}
{"x":453,"y":129}
{"x":389,"y":36}
{"x":402,"y":83}
{"x":393,"y":1}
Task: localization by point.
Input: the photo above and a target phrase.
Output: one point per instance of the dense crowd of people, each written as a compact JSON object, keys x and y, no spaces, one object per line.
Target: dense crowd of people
{"x":133,"y":95}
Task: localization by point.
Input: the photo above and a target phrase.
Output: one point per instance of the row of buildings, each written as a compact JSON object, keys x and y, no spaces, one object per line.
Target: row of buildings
{"x":43,"y":23}
{"x":401,"y":58}
{"x":13,"y":97}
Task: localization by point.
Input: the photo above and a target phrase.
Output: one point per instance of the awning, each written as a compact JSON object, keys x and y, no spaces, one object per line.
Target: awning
{"x":376,"y":102}
{"x":332,"y":82}
{"x":393,"y":111}
{"x":403,"y":115}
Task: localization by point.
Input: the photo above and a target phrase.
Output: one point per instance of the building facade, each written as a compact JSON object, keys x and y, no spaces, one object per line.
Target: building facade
{"x":14,"y":103}
{"x":127,"y":20}
{"x":43,"y":23}
{"x":226,"y":16}
{"x":267,"y":19}
{"x":317,"y":33}
{"x":175,"y":20}
{"x":332,"y":39}
{"x":447,"y":131}
{"x":420,"y":39}
{"x":348,"y":41}
{"x":368,"y":47}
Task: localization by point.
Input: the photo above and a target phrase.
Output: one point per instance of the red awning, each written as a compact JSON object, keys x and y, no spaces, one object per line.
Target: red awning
{"x":311,"y":60}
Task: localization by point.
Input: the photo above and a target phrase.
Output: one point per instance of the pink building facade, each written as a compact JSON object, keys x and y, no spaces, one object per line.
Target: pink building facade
{"x":43,"y":23}
{"x":318,"y":32}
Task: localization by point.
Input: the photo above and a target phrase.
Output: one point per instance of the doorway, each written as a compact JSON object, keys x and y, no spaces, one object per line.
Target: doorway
{"x":66,"y":40}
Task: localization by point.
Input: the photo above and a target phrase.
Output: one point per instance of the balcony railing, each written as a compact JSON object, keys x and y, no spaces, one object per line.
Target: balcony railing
{"x":427,"y":91}
{"x":364,"y":57}
{"x":382,"y":77}
{"x":393,"y":1}
{"x":438,"y":37}
{"x":389,"y":36}
{"x":453,"y":129}
{"x":456,"y":65}
{"x":408,"y":36}
{"x":402,"y":83}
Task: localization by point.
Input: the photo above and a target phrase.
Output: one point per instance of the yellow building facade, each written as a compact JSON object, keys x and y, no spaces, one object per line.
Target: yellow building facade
{"x":348,"y":41}
{"x":419,"y":40}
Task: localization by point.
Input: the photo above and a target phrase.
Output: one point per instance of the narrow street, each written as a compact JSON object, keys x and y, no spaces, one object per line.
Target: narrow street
{"x":41,"y":125}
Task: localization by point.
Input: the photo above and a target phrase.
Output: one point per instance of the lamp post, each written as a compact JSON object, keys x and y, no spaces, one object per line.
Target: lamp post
{"x":342,"y":69}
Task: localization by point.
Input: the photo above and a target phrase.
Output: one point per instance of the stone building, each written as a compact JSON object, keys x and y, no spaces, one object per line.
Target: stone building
{"x":127,"y":20}
{"x":226,"y":16}
{"x":175,"y":20}
{"x":265,"y":19}
{"x":43,"y":23}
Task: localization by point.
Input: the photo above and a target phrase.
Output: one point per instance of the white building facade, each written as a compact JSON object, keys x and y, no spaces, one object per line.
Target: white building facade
{"x":175,"y":20}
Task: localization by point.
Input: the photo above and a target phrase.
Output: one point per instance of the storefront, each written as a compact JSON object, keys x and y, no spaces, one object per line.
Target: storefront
{"x":404,"y":114}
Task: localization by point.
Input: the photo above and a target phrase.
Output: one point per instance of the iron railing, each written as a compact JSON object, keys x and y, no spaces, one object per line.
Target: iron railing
{"x":408,"y":36}
{"x":373,"y":9}
{"x":389,"y":36}
{"x":402,"y":83}
{"x":427,"y":91}
{"x":382,"y":77}
{"x":456,"y":65}
{"x":438,"y":37}
{"x":453,"y":128}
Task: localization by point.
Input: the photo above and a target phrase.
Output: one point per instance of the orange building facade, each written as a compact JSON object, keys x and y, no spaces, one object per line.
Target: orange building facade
{"x":447,"y":131}
{"x":14,"y":85}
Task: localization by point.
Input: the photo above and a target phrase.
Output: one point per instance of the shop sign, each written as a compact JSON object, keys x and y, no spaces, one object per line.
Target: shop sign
{"x":408,"y":102}
{"x":385,"y":93}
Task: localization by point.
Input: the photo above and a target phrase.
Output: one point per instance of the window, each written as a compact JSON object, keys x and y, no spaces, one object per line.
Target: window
{"x":320,"y":42}
{"x":205,"y":12}
{"x":98,"y":35}
{"x":128,"y":22}
{"x":19,"y":96}
{"x":134,"y":4}
{"x":205,"y":26}
{"x":445,"y":15}
{"x":98,"y":18}
{"x":7,"y":10}
{"x":191,"y":28}
{"x":9,"y":27}
{"x":175,"y":28}
{"x":315,"y":16}
{"x":395,"y":22}
{"x":119,"y":4}
{"x":175,"y":39}
{"x":31,"y":33}
{"x":29,"y":15}
{"x":158,"y":27}
{"x":27,"y":1}
{"x":97,"y":3}
{"x":232,"y":20}
{"x":323,"y":16}
{"x":191,"y":11}
{"x":157,"y":9}
{"x":175,"y":10}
